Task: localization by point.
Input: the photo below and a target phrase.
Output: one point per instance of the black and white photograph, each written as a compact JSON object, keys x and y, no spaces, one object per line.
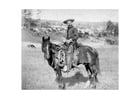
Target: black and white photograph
{"x":70,"y":49}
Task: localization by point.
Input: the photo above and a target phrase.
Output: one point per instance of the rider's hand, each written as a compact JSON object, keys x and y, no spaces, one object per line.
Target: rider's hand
{"x":68,"y":41}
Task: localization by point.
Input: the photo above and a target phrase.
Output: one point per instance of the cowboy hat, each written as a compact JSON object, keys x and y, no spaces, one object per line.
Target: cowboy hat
{"x":66,"y":21}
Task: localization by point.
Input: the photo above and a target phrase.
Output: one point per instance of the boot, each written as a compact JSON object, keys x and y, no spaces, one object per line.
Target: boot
{"x":65,"y":68}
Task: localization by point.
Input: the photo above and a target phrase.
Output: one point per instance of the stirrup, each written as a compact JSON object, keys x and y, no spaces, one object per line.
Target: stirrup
{"x":65,"y":69}
{"x":75,"y":66}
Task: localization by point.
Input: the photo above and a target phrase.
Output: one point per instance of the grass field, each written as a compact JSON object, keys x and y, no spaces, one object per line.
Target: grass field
{"x":37,"y":74}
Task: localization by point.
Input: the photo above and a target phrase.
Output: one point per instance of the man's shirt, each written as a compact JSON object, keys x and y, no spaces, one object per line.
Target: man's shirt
{"x":72,"y":33}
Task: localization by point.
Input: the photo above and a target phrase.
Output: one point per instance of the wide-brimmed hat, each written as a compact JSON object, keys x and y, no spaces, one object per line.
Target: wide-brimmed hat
{"x":66,"y":21}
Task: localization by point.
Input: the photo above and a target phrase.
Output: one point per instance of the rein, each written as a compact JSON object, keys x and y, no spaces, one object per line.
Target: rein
{"x":59,"y":54}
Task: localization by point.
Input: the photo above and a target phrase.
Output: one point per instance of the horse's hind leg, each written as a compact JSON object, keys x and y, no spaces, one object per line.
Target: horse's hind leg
{"x":92,"y":73}
{"x":94,"y":77}
{"x":93,"y":81}
{"x":89,"y":72}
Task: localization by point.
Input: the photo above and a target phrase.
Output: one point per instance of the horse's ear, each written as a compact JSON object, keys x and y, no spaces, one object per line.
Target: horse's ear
{"x":43,"y":38}
{"x":48,"y":37}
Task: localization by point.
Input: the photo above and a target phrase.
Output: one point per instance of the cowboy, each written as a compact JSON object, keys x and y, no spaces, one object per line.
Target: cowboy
{"x":71,"y":39}
{"x":72,"y":33}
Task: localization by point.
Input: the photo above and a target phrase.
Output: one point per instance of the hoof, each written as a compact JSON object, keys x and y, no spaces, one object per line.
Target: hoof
{"x":62,"y":86}
{"x":93,"y":86}
{"x":87,"y":84}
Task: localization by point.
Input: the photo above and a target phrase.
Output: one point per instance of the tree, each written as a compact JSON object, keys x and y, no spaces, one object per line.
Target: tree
{"x":109,"y":27}
{"x":38,"y":12}
{"x":27,"y":13}
{"x":116,"y":31}
{"x":112,"y":28}
{"x":27,"y":17}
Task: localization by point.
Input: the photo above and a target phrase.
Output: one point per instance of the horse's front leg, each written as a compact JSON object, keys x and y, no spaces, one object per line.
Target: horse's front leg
{"x":60,"y":79}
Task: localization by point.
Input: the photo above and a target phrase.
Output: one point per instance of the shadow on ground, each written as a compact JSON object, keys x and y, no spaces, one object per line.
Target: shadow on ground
{"x":77,"y":78}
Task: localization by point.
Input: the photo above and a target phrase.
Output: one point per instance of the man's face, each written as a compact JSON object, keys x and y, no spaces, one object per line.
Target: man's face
{"x":69,"y":23}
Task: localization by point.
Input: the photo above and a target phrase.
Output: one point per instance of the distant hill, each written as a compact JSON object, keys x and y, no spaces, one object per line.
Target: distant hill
{"x":28,"y":36}
{"x":84,"y":25}
{"x":77,"y":22}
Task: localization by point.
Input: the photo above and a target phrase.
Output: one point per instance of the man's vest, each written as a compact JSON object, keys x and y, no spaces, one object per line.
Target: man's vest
{"x":72,"y":33}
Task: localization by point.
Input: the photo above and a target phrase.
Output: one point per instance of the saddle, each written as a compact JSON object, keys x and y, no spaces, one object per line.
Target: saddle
{"x":68,"y":56}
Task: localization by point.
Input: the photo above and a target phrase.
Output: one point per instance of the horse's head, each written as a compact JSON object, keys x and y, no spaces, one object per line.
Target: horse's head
{"x":46,"y":46}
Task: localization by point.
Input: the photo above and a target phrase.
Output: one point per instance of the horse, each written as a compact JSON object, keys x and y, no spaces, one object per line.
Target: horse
{"x":85,"y":55}
{"x":51,"y":54}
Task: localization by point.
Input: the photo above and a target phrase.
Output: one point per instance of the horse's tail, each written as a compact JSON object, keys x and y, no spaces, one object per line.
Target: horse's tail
{"x":95,"y":59}
{"x":98,"y":64}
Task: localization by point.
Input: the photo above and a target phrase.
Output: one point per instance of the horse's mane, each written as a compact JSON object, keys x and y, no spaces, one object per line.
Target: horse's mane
{"x":55,"y":47}
{"x":53,"y":50}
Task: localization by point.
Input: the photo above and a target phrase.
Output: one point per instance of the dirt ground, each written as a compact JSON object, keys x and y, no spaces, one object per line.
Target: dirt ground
{"x":37,"y":74}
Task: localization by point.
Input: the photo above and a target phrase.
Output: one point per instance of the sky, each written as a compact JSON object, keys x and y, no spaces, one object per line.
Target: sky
{"x":84,"y":15}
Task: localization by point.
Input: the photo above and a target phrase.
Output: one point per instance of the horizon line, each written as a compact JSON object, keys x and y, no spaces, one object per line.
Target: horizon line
{"x":78,"y":21}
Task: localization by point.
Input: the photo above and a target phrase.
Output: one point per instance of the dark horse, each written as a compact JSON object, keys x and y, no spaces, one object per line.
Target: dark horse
{"x":51,"y":54}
